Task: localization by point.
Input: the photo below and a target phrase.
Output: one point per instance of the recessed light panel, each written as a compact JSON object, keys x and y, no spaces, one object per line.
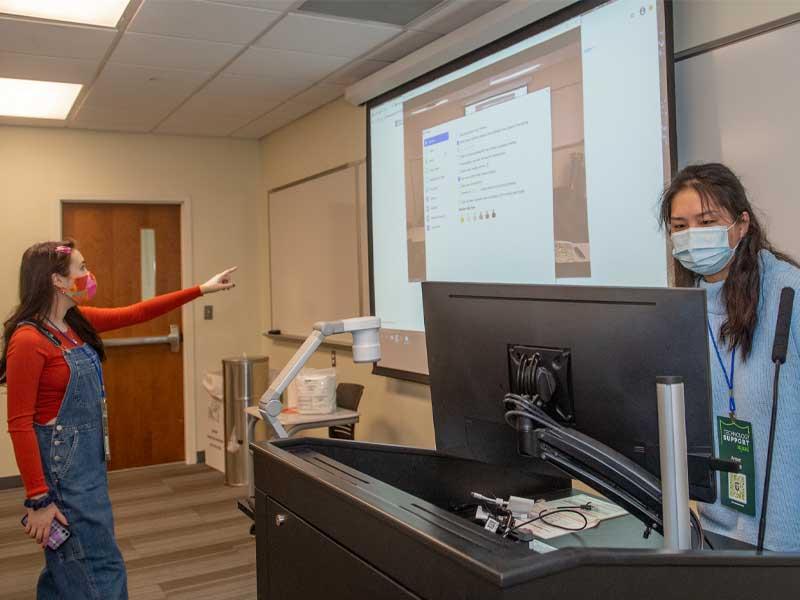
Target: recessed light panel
{"x":37,"y":99}
{"x":105,"y":13}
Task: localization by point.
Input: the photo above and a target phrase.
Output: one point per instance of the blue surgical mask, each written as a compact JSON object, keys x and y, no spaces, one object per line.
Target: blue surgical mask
{"x":703,"y":250}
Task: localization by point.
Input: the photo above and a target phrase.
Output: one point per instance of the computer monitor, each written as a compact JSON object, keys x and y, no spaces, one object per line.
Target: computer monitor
{"x":605,"y":346}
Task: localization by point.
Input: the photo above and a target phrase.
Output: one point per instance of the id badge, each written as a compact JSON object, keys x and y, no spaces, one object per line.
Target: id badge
{"x":106,"y":442}
{"x":738,"y":490}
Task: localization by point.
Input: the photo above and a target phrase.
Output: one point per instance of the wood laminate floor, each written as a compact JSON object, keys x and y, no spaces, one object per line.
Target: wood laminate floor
{"x":177,"y":526}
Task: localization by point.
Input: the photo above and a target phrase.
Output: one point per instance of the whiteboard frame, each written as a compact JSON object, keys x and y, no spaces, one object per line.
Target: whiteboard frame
{"x":356,"y":165}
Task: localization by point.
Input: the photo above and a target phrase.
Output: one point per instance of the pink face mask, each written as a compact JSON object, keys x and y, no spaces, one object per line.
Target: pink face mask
{"x":83,"y":289}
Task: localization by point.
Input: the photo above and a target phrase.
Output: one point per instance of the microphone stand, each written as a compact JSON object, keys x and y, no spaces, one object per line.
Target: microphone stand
{"x":779,"y":349}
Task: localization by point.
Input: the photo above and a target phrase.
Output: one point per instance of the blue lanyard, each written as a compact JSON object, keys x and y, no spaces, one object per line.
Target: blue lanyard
{"x":728,"y":379}
{"x":99,"y":370}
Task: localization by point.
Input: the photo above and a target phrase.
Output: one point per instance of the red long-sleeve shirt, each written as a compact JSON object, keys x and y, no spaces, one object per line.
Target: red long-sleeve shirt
{"x":37,"y":375}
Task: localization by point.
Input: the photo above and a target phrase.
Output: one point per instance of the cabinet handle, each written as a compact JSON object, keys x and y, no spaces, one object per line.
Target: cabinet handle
{"x":280,"y":519}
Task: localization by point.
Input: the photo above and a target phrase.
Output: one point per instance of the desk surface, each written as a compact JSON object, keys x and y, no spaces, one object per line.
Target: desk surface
{"x":289,"y":419}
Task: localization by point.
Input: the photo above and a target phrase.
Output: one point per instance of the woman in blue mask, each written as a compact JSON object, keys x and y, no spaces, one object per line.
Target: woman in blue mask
{"x":719,"y":244}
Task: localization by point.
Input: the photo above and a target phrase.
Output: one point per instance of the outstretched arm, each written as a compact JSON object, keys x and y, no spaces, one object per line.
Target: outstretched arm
{"x":108,"y":319}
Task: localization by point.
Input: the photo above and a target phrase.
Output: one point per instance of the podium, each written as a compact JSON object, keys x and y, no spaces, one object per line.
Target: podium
{"x":337,"y":519}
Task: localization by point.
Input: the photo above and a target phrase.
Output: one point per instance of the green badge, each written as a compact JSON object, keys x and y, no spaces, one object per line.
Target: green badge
{"x":738,"y":490}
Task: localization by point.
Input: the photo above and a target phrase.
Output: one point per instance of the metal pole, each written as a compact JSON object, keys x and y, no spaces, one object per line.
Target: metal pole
{"x":674,"y":463}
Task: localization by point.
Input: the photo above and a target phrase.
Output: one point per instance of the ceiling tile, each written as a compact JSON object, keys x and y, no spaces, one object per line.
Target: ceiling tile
{"x":54,"y":39}
{"x":399,"y":12}
{"x":201,"y":20}
{"x":283,"y":115}
{"x":454,"y":14}
{"x":278,"y":5}
{"x":236,"y":95}
{"x":141,"y":119}
{"x":47,"y":68}
{"x":403,"y":45}
{"x":187,"y":121}
{"x":290,"y":111}
{"x":285,"y":64}
{"x":357,"y":71}
{"x":260,"y":127}
{"x":323,"y":35}
{"x":172,"y":52}
{"x":319,"y":94}
{"x":213,"y":106}
{"x":126,"y":86}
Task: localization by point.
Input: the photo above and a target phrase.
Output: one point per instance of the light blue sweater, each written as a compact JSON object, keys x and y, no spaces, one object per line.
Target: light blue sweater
{"x":752,"y":389}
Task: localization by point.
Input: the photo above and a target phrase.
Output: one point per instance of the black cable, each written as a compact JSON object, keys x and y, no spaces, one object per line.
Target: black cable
{"x":521,"y":414}
{"x":522,"y":404}
{"x":532,"y":374}
{"x":539,"y":415}
{"x":545,"y":513}
{"x":701,"y":536}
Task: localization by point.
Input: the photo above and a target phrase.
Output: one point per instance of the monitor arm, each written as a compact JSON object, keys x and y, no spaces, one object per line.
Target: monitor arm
{"x":585,"y":459}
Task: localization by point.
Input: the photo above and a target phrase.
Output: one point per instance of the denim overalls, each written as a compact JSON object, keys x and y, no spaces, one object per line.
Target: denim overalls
{"x":89,"y":564}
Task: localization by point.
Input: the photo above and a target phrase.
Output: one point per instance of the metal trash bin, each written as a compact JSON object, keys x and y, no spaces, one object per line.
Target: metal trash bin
{"x":244,"y":381}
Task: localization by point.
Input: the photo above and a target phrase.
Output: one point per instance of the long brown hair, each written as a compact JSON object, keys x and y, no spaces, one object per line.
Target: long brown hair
{"x":719,"y":187}
{"x":37,"y":294}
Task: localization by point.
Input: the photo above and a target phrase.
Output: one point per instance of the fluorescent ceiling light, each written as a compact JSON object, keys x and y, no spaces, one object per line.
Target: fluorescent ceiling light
{"x":514,"y":75}
{"x":37,"y":99}
{"x":422,"y":110}
{"x":105,"y":13}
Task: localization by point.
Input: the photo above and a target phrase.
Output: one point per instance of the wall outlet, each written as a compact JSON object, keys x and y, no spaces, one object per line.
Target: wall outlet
{"x":201,"y":457}
{"x":208,"y":312}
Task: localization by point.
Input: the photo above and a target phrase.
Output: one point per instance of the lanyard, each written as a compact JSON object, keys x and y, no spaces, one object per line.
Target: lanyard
{"x":64,"y":333}
{"x":728,"y":379}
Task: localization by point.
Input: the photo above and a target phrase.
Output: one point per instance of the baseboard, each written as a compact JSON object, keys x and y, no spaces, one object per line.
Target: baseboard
{"x":11,"y":482}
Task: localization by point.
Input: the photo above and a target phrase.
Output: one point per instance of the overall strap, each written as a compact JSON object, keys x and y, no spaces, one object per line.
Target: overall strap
{"x":56,"y":342}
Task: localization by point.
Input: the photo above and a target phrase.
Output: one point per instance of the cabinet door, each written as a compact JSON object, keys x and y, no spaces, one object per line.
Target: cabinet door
{"x":304,"y":563}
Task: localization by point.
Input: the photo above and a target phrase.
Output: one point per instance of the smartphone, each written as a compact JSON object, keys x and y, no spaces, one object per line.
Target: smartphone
{"x":58,"y":533}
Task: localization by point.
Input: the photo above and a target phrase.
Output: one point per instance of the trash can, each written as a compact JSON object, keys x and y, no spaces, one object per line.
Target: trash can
{"x":244,"y":381}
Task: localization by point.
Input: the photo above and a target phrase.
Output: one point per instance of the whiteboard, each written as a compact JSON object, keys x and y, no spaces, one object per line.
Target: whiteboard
{"x":740,"y":105}
{"x":316,"y":250}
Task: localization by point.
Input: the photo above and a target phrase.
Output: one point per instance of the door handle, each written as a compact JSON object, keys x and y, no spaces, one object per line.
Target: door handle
{"x":173,"y":339}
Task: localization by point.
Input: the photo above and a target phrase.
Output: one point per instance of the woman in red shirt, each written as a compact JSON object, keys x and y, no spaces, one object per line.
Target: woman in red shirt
{"x":51,"y":361}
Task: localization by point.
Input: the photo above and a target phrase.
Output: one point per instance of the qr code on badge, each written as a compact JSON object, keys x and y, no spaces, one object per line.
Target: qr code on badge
{"x":737,"y":487}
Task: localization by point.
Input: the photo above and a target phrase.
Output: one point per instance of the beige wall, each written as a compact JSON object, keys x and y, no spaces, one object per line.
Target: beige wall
{"x":700,"y":21}
{"x":221,"y":179}
{"x":392,"y":411}
{"x":226,"y":182}
{"x":395,"y":411}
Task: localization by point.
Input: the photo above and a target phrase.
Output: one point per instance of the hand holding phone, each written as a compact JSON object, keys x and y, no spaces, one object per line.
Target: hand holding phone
{"x":58,"y":533}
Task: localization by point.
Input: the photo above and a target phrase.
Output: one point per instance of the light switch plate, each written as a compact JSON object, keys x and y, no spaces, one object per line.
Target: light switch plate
{"x":208,"y":312}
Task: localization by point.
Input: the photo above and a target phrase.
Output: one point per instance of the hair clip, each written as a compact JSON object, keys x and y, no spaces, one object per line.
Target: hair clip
{"x":63,"y":249}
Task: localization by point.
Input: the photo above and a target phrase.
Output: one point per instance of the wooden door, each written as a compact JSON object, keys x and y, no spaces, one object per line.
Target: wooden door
{"x":144,"y":384}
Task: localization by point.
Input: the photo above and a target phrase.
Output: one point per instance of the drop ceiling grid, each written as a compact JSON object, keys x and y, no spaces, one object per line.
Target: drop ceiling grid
{"x":182,"y":65}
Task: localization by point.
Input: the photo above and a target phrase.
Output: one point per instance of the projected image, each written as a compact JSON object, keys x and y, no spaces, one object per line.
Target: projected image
{"x":536,"y":159}
{"x":499,"y":154}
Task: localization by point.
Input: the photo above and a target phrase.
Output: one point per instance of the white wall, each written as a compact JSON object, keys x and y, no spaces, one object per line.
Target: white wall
{"x":222,"y":180}
{"x":700,"y":21}
{"x":392,"y":411}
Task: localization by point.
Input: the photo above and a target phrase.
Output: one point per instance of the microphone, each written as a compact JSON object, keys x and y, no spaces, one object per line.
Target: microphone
{"x":779,"y":347}
{"x":781,"y":343}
